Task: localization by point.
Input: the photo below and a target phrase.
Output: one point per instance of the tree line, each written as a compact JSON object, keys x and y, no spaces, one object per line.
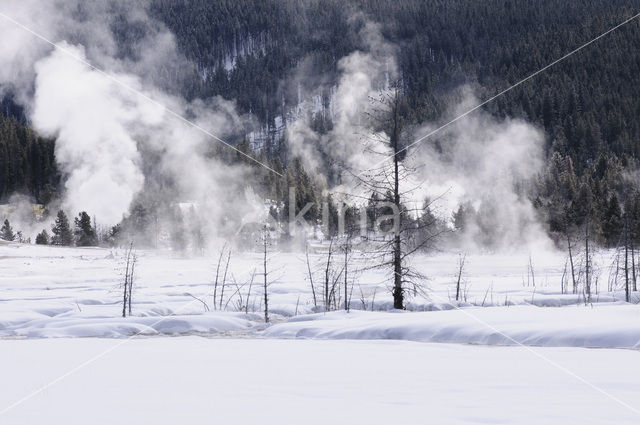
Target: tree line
{"x":252,"y":51}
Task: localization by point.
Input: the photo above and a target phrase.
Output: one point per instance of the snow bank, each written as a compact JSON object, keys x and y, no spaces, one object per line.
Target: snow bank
{"x":603,"y":326}
{"x":110,"y":327}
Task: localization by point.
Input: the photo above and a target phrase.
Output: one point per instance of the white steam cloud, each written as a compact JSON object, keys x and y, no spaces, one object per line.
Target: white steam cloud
{"x":363,"y":74}
{"x":485,"y":164}
{"x":105,"y":133}
{"x":104,"y":126}
{"x":91,"y":118}
{"x":481,"y":162}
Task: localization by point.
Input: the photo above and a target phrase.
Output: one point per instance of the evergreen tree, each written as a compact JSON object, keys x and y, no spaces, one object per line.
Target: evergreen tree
{"x":197,"y":231}
{"x":6,"y":232}
{"x":61,"y":230}
{"x":42,"y":238}
{"x":85,"y":233}
{"x":177,"y":231}
{"x":591,"y":123}
{"x":113,"y":236}
{"x":612,"y":221}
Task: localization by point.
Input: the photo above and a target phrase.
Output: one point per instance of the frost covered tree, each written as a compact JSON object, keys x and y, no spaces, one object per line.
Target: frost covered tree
{"x":85,"y":233}
{"x":61,"y":230}
{"x":6,"y":232}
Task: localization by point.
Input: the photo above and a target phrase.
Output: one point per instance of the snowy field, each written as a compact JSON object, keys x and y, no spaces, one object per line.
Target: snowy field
{"x":510,"y":352}
{"x":73,"y":292}
{"x":192,"y":380}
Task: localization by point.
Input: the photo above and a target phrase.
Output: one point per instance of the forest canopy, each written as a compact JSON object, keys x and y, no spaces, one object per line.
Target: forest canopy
{"x":251,"y":52}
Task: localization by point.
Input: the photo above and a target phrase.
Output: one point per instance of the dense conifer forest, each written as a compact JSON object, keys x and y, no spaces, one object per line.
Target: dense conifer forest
{"x":250,"y":51}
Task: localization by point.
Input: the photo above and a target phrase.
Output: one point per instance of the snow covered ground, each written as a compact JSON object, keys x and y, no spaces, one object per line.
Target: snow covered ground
{"x":193,"y":380}
{"x":599,"y":327}
{"x":71,"y":292}
{"x":362,"y":367}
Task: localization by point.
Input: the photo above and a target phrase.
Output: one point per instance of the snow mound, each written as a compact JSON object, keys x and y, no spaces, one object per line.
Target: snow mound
{"x":109,"y":327}
{"x":603,"y":326}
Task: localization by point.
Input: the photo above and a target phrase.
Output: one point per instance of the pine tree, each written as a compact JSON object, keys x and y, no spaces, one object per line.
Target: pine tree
{"x":6,"y":232}
{"x":612,"y":221}
{"x":177,"y":232}
{"x":85,"y":233}
{"x":42,"y":238}
{"x":62,"y":230}
{"x":197,"y":231}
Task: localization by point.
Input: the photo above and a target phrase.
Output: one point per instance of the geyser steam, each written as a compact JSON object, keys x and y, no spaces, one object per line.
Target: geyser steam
{"x":104,"y":123}
{"x":91,"y":118}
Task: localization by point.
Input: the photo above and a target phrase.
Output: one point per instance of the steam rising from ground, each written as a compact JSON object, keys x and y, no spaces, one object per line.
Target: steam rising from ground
{"x":363,"y":74}
{"x":105,"y":131}
{"x":481,"y":163}
{"x":92,"y":119}
{"x":487,"y":166}
{"x":109,"y":138}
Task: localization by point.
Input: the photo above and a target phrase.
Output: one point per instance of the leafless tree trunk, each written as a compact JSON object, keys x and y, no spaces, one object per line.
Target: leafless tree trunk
{"x":573,"y":273}
{"x":327,"y":278}
{"x":125,"y":287}
{"x":460,"y":268}
{"x":134,"y":260}
{"x":265,"y":238}
{"x":224,"y":278}
{"x":587,"y":261}
{"x":626,"y":258}
{"x":406,"y":236}
{"x":129,"y":273}
{"x":215,"y":284}
{"x":313,"y":290}
{"x":347,"y":247}
{"x":398,"y":293}
{"x":253,"y":275}
{"x":633,"y":266}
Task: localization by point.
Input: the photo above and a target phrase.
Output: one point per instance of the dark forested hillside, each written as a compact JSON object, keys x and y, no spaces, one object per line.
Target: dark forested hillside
{"x":250,"y":50}
{"x":587,"y":104}
{"x":26,"y":161}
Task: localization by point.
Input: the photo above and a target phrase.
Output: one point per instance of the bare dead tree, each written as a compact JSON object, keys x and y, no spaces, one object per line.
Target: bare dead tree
{"x":626,"y":257}
{"x":587,"y":259}
{"x":461,"y":262}
{"x":313,"y":290}
{"x":327,"y":276}
{"x":215,"y":283}
{"x":129,"y":275}
{"x":347,"y":249}
{"x":563,"y":283}
{"x":567,"y":232}
{"x":633,"y":265}
{"x":265,"y":244}
{"x":253,"y":275}
{"x":335,"y":290}
{"x":224,"y":278}
{"x":132,"y":274}
{"x":533,"y":275}
{"x":125,"y":287}
{"x":403,"y":235}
